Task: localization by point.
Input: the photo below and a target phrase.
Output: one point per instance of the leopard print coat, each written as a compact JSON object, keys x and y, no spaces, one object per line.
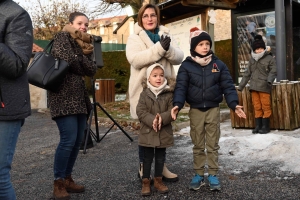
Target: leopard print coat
{"x":72,"y":96}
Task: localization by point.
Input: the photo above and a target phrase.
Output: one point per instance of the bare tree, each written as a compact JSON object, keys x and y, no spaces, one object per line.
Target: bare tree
{"x":114,"y":6}
{"x":49,"y":17}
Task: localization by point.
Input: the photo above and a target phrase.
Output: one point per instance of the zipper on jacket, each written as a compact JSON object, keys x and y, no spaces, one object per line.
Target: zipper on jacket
{"x":203,"y":86}
{"x":1,"y":100}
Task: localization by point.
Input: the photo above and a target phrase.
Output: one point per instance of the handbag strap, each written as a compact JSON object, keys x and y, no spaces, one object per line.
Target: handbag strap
{"x":49,"y":45}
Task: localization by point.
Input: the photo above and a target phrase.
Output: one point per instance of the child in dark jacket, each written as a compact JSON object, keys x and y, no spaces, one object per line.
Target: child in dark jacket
{"x":202,"y":80}
{"x":261,"y":72}
{"x":156,"y":134}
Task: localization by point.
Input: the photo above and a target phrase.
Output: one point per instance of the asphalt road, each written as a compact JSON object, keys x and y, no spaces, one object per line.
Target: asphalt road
{"x":109,"y":169}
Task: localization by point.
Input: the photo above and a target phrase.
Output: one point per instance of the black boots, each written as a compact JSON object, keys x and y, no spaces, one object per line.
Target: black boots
{"x":258,"y":125}
{"x":265,"y":126}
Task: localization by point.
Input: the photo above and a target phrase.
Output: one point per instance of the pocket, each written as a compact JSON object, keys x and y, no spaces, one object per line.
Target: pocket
{"x":145,"y":129}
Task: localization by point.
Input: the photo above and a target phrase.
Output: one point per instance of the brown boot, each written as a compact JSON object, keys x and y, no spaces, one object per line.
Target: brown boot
{"x":146,"y":190}
{"x":169,"y":176}
{"x":160,"y":186}
{"x":59,"y":191}
{"x":71,"y":186}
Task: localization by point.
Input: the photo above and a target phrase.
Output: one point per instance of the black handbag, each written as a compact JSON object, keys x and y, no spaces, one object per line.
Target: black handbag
{"x":47,"y":72}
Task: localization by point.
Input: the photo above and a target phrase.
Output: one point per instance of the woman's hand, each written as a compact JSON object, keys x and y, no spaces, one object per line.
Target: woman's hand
{"x":165,"y":42}
{"x":174,"y":112}
{"x":240,"y":112}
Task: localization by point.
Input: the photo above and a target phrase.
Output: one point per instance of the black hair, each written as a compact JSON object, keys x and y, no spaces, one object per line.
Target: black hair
{"x":75,"y":14}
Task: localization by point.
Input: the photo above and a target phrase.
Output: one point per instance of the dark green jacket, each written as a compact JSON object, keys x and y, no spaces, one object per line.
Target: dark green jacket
{"x":147,"y":108}
{"x":261,"y":74}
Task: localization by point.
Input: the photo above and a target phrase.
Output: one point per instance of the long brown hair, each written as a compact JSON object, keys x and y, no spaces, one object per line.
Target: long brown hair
{"x":142,"y":10}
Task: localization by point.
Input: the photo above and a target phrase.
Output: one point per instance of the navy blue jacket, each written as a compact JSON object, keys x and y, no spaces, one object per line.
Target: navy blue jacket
{"x":203,"y":87}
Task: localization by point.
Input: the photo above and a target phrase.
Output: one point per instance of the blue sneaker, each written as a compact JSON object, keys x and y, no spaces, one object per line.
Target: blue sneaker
{"x":196,"y":182}
{"x":214,"y":182}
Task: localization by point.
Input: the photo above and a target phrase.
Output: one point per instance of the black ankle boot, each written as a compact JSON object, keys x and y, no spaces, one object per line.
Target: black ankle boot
{"x":258,"y":125}
{"x":265,"y":126}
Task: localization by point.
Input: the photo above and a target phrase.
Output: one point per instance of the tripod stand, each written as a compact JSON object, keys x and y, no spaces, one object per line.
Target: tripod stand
{"x":96,"y":135}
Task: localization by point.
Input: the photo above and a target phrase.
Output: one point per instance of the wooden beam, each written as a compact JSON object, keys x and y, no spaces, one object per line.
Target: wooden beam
{"x":214,"y":4}
{"x":190,"y":14}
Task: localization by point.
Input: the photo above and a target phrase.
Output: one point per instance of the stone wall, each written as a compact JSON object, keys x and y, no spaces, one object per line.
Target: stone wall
{"x":38,"y":97}
{"x":223,"y":25}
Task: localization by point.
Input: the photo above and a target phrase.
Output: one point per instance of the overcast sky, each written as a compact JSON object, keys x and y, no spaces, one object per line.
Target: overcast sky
{"x":90,"y":5}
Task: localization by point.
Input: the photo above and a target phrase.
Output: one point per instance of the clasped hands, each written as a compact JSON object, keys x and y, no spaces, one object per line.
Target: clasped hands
{"x":157,"y":122}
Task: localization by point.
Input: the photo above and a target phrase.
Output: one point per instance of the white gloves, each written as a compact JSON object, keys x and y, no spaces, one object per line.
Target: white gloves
{"x":202,"y":61}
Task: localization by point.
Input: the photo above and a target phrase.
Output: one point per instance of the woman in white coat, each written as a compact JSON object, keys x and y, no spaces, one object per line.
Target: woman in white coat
{"x":150,"y":43}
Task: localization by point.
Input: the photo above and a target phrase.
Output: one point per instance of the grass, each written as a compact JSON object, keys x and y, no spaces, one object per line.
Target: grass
{"x":120,"y":110}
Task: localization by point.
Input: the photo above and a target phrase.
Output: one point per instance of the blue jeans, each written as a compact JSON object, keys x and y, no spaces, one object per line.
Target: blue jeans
{"x":9,"y":132}
{"x":71,"y":131}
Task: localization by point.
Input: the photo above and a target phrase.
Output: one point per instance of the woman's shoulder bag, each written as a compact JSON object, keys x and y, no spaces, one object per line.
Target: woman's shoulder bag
{"x":45,"y":71}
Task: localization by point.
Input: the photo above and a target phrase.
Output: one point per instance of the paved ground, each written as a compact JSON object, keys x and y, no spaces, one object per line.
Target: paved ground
{"x":109,"y":169}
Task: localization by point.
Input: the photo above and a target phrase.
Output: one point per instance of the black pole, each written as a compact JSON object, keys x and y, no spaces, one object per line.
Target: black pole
{"x":280,"y":40}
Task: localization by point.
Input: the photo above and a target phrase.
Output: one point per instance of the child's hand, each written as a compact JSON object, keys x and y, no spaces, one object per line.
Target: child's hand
{"x":174,"y":112}
{"x":240,"y":112}
{"x":157,"y":122}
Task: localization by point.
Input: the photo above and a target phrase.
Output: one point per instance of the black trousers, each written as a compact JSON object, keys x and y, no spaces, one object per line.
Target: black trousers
{"x":149,"y":154}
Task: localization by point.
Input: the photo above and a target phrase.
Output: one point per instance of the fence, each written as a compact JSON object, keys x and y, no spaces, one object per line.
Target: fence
{"x":285,"y":99}
{"x":105,"y":90}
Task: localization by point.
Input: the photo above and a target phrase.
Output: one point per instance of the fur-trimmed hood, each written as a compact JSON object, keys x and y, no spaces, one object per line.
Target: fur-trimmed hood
{"x":171,"y":83}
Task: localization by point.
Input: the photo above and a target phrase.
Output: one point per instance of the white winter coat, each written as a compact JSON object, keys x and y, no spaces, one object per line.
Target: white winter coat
{"x":141,"y":52}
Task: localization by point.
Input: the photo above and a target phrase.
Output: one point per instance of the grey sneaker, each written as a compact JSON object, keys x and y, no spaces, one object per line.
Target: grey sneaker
{"x":214,"y":182}
{"x":196,"y":182}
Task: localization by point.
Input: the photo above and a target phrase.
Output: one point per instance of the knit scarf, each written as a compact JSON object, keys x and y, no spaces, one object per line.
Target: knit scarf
{"x":157,"y":90}
{"x":154,"y":37}
{"x":257,"y":56}
{"x":83,"y":39}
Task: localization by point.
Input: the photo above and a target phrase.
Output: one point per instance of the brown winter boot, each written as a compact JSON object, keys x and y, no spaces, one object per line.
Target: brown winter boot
{"x":169,"y":176}
{"x":160,"y":186}
{"x":146,"y":191}
{"x":71,"y":186}
{"x":59,"y":190}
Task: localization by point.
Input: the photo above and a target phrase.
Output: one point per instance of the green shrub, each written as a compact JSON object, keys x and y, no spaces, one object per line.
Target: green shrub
{"x":115,"y":67}
{"x":223,"y":51}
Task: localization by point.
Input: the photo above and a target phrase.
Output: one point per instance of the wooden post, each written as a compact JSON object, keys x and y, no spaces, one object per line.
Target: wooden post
{"x":245,"y":104}
{"x":250,"y":107}
{"x":280,"y":107}
{"x":274,"y":107}
{"x":291,"y":104}
{"x":297,"y":89}
{"x":242,"y":121}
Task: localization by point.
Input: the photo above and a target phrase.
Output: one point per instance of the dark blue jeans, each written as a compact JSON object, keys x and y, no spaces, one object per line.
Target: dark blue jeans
{"x":71,"y":131}
{"x":9,"y":132}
